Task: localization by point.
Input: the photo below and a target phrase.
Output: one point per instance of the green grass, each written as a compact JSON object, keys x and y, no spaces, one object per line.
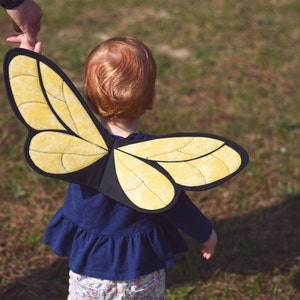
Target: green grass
{"x":226,"y":67}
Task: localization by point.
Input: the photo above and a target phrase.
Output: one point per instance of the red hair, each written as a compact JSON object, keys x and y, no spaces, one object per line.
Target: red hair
{"x":120,"y":78}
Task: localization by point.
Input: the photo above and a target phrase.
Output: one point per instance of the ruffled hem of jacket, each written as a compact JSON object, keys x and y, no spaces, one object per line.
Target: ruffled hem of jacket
{"x":117,"y":257}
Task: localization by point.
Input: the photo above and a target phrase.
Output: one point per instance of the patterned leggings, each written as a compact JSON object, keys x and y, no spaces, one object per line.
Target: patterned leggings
{"x":147,"y":287}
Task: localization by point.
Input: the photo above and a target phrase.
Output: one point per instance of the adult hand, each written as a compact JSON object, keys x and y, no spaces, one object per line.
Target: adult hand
{"x":27,"y":21}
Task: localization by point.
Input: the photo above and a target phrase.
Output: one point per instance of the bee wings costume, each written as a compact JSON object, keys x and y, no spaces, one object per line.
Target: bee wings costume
{"x":66,"y":141}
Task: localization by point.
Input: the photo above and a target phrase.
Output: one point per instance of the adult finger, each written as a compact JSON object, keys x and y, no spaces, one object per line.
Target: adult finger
{"x":25,"y":43}
{"x":38,"y":47}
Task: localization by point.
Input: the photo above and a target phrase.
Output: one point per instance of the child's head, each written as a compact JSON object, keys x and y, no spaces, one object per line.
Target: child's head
{"x":120,"y":79}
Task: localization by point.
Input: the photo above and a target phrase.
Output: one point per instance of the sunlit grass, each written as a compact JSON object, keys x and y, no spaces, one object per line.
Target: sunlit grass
{"x":224,"y":67}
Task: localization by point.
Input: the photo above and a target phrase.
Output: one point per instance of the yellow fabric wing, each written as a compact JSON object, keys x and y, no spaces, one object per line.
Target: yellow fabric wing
{"x":204,"y":170}
{"x":28,"y":95}
{"x":69,"y":109}
{"x":47,"y":104}
{"x":145,"y":186}
{"x":191,"y":161}
{"x":53,"y":156}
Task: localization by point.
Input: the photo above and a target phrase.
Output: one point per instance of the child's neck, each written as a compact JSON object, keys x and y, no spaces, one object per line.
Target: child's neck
{"x":120,"y":127}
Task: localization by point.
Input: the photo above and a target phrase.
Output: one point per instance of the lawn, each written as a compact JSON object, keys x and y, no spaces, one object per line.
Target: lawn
{"x":229,"y":68}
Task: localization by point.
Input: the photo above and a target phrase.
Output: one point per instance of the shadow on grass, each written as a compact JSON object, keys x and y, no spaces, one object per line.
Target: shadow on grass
{"x":258,"y":242}
{"x":255,"y":243}
{"x":46,"y":284}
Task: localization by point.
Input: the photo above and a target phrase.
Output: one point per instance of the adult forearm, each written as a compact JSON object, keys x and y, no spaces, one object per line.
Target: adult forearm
{"x":26,"y":16}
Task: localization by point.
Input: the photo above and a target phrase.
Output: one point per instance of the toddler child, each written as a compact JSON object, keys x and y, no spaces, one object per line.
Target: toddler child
{"x":116,"y":252}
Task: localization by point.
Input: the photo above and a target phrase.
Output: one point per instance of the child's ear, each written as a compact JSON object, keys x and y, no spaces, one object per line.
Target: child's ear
{"x":151,"y":104}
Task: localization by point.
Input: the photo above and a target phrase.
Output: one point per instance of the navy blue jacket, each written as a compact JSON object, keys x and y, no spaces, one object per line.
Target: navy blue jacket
{"x":9,"y":4}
